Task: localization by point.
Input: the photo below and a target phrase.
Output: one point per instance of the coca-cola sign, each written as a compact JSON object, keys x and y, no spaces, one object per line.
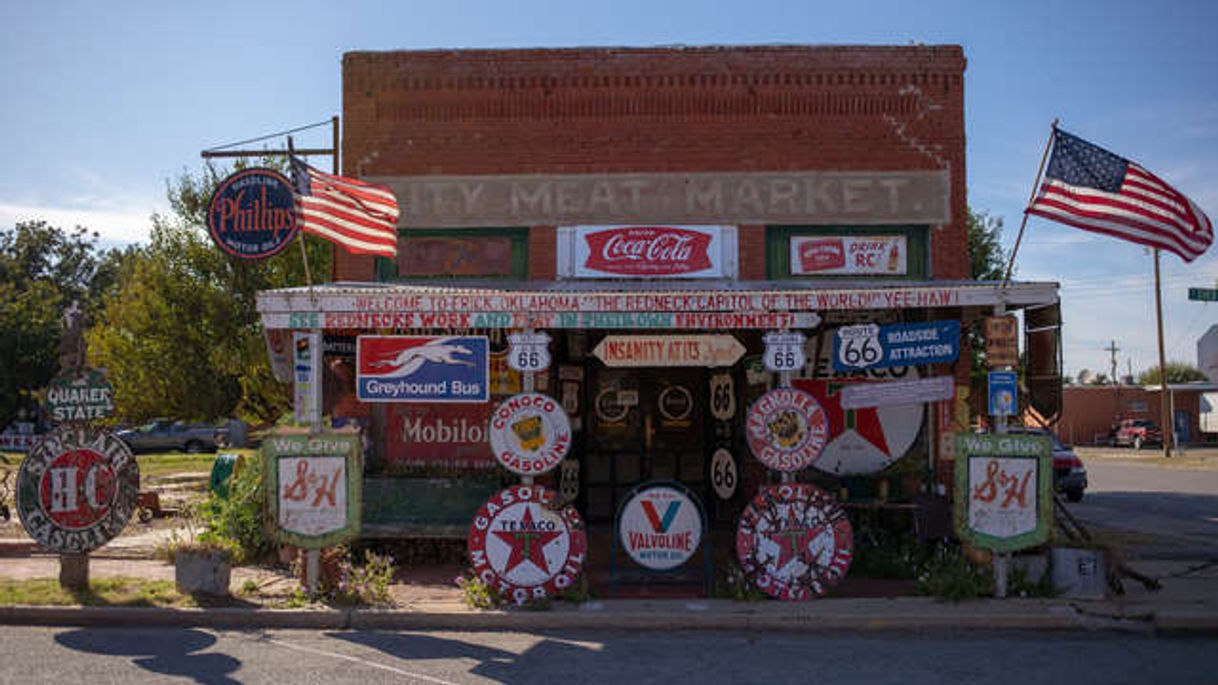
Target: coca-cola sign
{"x":646,"y":252}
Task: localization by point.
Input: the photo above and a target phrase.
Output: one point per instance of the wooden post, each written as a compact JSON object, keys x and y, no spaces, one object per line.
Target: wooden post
{"x":74,"y":572}
{"x":1164,"y":410}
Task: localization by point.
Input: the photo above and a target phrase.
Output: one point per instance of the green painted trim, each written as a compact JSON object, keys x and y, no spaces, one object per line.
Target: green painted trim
{"x":778,"y":249}
{"x":387,"y":268}
{"x":1038,"y":447}
{"x":324,"y":444}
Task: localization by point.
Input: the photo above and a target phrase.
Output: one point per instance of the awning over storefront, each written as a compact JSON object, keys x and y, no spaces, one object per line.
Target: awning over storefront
{"x":718,"y":305}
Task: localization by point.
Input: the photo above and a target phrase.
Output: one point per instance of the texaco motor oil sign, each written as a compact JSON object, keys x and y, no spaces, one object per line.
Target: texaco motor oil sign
{"x":786,"y":429}
{"x":76,"y":489}
{"x":530,"y":433}
{"x":660,"y":527}
{"x":522,"y":546}
{"x":794,"y":541}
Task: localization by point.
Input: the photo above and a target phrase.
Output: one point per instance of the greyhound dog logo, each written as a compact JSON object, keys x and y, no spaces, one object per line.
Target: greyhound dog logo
{"x":439,"y":351}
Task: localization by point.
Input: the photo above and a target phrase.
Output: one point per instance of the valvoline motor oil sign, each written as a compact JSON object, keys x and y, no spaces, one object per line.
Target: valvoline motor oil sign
{"x":422,"y":368}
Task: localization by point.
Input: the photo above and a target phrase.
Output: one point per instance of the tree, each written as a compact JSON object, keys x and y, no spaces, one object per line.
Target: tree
{"x":43,"y":269}
{"x":180,"y":334}
{"x":1177,"y":372}
{"x":987,"y":259}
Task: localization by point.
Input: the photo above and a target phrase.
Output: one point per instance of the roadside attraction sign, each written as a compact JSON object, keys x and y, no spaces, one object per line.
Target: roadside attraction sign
{"x":786,"y":429}
{"x":76,"y":489}
{"x":1003,"y":485}
{"x":315,"y":478}
{"x":530,"y":433}
{"x":252,"y":214}
{"x":871,"y":346}
{"x":669,"y":350}
{"x":660,"y":526}
{"x":524,"y":546}
{"x":81,"y":394}
{"x":794,"y":541}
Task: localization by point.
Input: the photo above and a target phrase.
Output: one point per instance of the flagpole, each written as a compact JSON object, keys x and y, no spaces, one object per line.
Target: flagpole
{"x":304,"y":256}
{"x":1164,"y":410}
{"x":1006,"y":278}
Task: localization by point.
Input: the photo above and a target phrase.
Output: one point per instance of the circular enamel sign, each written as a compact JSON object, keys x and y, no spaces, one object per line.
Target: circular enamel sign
{"x":252,"y":213}
{"x":76,"y":489}
{"x":530,"y":433}
{"x":660,"y":526}
{"x":723,"y":473}
{"x":794,"y":541}
{"x":525,"y":548}
{"x":786,"y":429}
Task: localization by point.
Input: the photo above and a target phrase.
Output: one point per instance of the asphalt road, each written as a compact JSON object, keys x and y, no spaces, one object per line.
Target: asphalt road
{"x":132,"y":656}
{"x":1173,"y":510}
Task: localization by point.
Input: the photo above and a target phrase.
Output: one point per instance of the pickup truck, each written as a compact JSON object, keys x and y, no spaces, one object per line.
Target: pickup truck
{"x":163,"y":435}
{"x":1135,"y":433}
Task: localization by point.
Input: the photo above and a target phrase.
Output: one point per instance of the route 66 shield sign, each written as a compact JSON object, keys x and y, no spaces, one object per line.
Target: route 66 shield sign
{"x":529,"y":351}
{"x":784,"y":351}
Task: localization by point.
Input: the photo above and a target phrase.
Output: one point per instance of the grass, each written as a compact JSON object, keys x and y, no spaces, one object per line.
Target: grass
{"x":173,"y":463}
{"x":118,"y":592}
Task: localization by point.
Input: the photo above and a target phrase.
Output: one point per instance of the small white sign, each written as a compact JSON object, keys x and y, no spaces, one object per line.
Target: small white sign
{"x":529,"y":352}
{"x":312,"y":494}
{"x":860,"y":346}
{"x":306,"y":372}
{"x":894,"y":393}
{"x":723,"y":473}
{"x":784,"y":351}
{"x":1002,"y":496}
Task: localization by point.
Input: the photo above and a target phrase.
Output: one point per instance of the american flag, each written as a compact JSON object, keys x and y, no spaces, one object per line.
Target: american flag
{"x":360,"y":216}
{"x":1093,"y":189}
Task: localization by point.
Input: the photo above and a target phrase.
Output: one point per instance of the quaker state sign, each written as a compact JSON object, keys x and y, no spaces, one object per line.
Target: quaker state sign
{"x":523,"y":546}
{"x":80,"y":395}
{"x":76,"y":489}
{"x":786,"y":429}
{"x":794,"y":541}
{"x":530,"y":433}
{"x":660,"y":526}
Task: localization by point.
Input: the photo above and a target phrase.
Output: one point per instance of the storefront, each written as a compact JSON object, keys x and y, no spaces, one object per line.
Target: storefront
{"x":673,"y":220}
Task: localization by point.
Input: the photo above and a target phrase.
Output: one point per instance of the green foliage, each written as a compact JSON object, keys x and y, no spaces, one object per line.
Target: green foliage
{"x":240,"y":518}
{"x":578,"y":593}
{"x":1177,"y":372}
{"x":738,"y":587}
{"x":949,"y":575}
{"x":362,"y":581}
{"x":180,"y":333}
{"x":987,"y":259}
{"x":882,"y":553}
{"x":1019,"y":584}
{"x":478,"y":594}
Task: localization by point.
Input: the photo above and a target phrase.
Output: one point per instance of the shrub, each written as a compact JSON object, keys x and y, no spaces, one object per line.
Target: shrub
{"x":240,"y":518}
{"x":478,"y":594}
{"x":949,"y":575}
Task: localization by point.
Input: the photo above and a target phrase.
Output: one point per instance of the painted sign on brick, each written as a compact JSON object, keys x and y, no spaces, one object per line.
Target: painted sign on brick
{"x":446,"y":435}
{"x":420,"y":368}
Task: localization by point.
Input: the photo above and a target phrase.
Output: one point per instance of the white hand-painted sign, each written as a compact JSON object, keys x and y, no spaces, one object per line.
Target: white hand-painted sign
{"x":669,"y":350}
{"x":897,"y":393}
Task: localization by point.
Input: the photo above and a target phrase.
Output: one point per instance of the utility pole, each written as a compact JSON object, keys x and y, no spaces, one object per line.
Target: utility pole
{"x":1112,"y":350}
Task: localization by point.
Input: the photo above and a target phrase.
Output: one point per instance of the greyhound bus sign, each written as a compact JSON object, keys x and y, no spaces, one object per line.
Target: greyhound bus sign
{"x":422,"y":368}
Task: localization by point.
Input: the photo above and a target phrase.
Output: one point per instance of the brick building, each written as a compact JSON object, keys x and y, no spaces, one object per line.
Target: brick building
{"x":801,"y":188}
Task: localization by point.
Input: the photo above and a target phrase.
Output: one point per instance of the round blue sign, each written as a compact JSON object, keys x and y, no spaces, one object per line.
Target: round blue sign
{"x":252,"y":214}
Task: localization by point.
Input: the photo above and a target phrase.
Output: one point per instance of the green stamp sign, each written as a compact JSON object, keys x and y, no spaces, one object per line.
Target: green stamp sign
{"x":81,"y":394}
{"x":315,"y":484}
{"x":1003,"y":490}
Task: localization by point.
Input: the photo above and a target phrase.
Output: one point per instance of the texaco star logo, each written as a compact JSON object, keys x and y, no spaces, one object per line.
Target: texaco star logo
{"x":794,"y":541}
{"x":523,"y":547}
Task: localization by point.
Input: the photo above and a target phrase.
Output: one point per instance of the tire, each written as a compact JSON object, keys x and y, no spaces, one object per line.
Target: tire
{"x":194,"y":447}
{"x":1074,"y":495}
{"x":1137,"y":442}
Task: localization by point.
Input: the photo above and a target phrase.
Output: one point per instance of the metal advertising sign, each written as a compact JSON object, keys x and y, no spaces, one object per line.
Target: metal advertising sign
{"x":446,"y":434}
{"x":1003,"y":393}
{"x":524,"y":547}
{"x":784,"y":351}
{"x":660,"y":526}
{"x":723,"y":473}
{"x":529,"y":351}
{"x":722,"y":396}
{"x":786,"y":429}
{"x":794,"y":541}
{"x":306,"y":372}
{"x":422,"y":368}
{"x":866,"y":439}
{"x":669,"y":350}
{"x":1001,"y":341}
{"x":861,"y":255}
{"x":646,"y":252}
{"x":316,"y":480}
{"x":80,"y":394}
{"x":76,"y":489}
{"x":868,"y":346}
{"x":252,"y":214}
{"x":530,"y":433}
{"x":676,"y":404}
{"x":1003,"y":486}
{"x":895,"y":393}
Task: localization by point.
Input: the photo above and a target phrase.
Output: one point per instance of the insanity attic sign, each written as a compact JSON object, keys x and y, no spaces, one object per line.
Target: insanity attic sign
{"x":880,"y":197}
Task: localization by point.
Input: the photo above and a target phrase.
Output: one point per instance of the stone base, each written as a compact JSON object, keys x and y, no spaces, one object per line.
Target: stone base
{"x":206,"y":573}
{"x":74,"y":571}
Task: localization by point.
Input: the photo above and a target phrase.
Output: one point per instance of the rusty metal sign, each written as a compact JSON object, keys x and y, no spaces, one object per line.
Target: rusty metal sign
{"x":1001,"y":341}
{"x":525,"y":547}
{"x":530,"y":433}
{"x":1004,"y":499}
{"x":786,"y":429}
{"x":669,"y":350}
{"x":80,"y":394}
{"x":316,"y":480}
{"x":794,"y":541}
{"x":76,"y":489}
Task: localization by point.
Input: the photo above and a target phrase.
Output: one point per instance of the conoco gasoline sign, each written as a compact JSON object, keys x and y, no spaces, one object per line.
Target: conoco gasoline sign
{"x":524,"y":547}
{"x":530,"y":433}
{"x":660,"y":527}
{"x":786,"y":429}
{"x":794,"y":541}
{"x":76,"y":489}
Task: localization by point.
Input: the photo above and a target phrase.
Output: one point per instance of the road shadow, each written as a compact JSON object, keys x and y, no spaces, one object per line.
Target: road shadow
{"x":1158,"y":521}
{"x":169,"y":652}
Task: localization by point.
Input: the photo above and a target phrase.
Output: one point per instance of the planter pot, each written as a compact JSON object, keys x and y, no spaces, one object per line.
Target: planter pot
{"x":1079,"y":573}
{"x":205,"y":572}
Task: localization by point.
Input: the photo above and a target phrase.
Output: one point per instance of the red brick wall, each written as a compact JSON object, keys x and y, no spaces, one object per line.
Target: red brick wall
{"x":612,"y":110}
{"x":1089,"y":410}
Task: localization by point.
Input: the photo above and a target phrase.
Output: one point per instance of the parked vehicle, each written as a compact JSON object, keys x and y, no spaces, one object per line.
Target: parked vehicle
{"x":162,"y":435}
{"x":1135,"y":433}
{"x":1069,"y":473}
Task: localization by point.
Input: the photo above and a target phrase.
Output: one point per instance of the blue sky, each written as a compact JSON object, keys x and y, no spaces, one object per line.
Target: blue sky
{"x":104,"y":103}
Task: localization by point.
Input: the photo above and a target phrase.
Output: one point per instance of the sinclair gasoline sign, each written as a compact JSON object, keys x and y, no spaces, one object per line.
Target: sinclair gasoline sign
{"x":523,"y":546}
{"x":252,"y":214}
{"x":76,"y":489}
